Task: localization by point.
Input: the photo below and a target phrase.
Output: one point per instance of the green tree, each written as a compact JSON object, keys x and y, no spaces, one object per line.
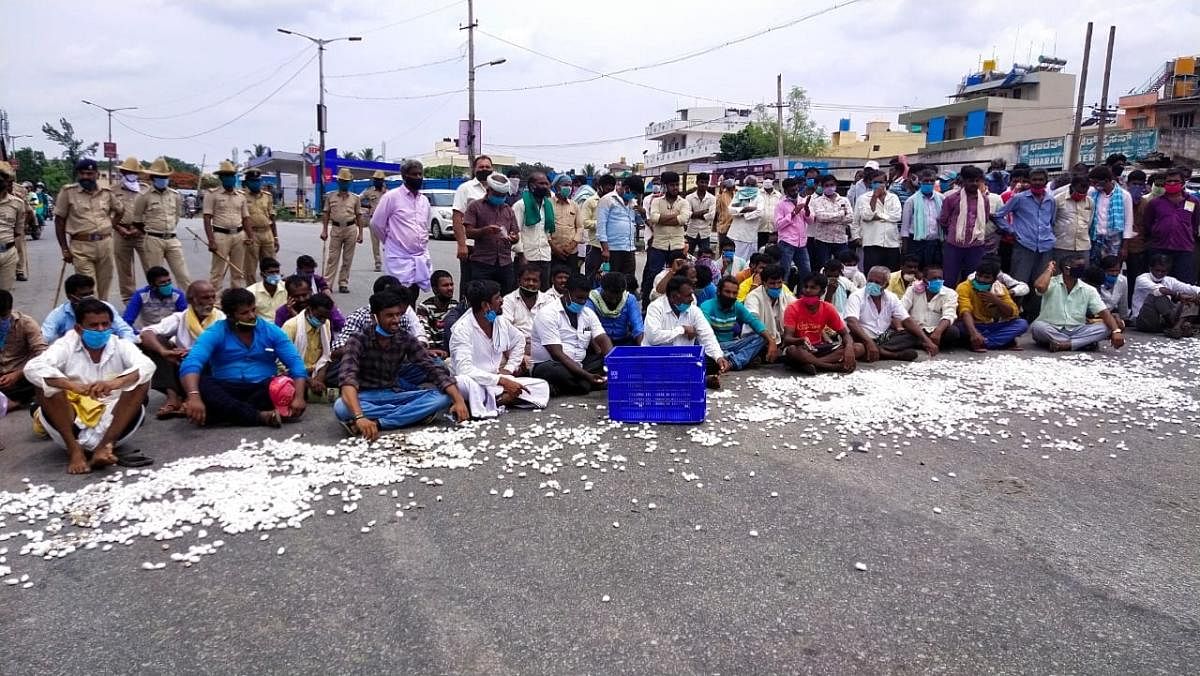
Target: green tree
{"x":526,"y":169}
{"x":33,"y":164}
{"x":747,"y":143}
{"x":349,"y":155}
{"x":74,"y":148}
{"x":56,"y":175}
{"x":589,"y":170}
{"x":259,"y":150}
{"x":443,"y":171}
{"x":801,"y":135}
{"x":367,"y":154}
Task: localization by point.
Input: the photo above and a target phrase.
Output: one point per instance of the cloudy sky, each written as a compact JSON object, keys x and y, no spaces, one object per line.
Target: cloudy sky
{"x":209,"y":76}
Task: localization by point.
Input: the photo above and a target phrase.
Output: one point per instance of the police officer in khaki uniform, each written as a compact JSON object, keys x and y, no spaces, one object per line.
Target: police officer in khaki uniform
{"x":262,"y":239}
{"x":369,"y":199}
{"x":341,"y":208}
{"x":128,"y":239}
{"x":14,"y":216}
{"x":156,"y":213}
{"x":225,"y":214}
{"x":85,"y":216}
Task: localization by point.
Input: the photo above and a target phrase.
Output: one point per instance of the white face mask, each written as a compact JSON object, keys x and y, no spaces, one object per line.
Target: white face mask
{"x":130,"y":181}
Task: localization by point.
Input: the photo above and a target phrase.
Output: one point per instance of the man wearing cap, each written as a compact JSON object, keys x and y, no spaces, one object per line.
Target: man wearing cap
{"x":863,"y":185}
{"x":85,"y":215}
{"x":19,"y":191}
{"x":493,"y":226}
{"x":369,"y":200}
{"x":342,"y":208}
{"x":262,"y":239}
{"x":15,"y":214}
{"x":129,"y":239}
{"x":225,"y":214}
{"x":156,"y":214}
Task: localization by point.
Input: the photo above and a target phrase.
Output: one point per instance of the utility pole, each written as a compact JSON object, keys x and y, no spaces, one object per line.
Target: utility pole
{"x":109,"y":111}
{"x":779,"y":116}
{"x":1112,"y":36}
{"x":321,"y":121}
{"x":471,"y":68}
{"x":1087,"y":52}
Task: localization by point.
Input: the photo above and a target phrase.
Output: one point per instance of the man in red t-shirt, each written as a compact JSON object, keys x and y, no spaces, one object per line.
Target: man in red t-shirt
{"x":807,"y":323}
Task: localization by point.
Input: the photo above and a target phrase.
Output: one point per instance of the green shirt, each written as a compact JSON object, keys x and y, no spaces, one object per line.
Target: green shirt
{"x":1065,"y":309}
{"x":722,"y":321}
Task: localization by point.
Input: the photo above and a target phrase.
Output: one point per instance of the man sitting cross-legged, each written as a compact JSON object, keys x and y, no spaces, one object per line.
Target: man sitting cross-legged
{"x":374,"y":373}
{"x":878,"y":321}
{"x":168,"y":342}
{"x":569,"y":343}
{"x":723,"y":312}
{"x":1067,"y":301}
{"x":617,"y":309}
{"x":987,"y":311}
{"x":91,"y":390}
{"x":239,"y":356}
{"x":814,"y":336}
{"x":311,"y":332}
{"x":934,"y":306}
{"x":674,"y":320}
{"x":486,"y":351}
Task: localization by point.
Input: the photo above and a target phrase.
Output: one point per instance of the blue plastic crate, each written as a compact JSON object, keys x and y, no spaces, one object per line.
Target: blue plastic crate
{"x":660,"y":384}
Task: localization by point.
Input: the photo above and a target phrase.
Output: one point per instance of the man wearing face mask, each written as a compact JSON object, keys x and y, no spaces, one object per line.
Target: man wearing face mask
{"x":299,"y":293}
{"x":369,"y":199}
{"x":62,"y":318}
{"x":464,"y":194}
{"x":490,"y":222}
{"x":1135,"y":247}
{"x":1112,"y":220}
{"x":878,"y":213}
{"x":934,"y":306}
{"x":1033,"y":213}
{"x":262,"y":239}
{"x":964,"y":220}
{"x":703,"y":203}
{"x":522,"y":305}
{"x":154,"y":301}
{"x":225,"y":214}
{"x":769,"y":302}
{"x":747,"y":210}
{"x":14,"y":216}
{"x":1067,"y":301}
{"x":85,"y":216}
{"x":919,"y":227}
{"x":569,"y":343}
{"x":536,"y":219}
{"x":616,"y":226}
{"x":588,"y":213}
{"x":1171,"y":223}
{"x":402,"y":222}
{"x":239,"y":358}
{"x":722,"y":313}
{"x":1074,"y":219}
{"x":129,"y":239}
{"x":341,"y":208}
{"x":311,"y":332}
{"x":91,"y":391}
{"x":809,"y":328}
{"x":771,"y":199}
{"x":1164,"y":304}
{"x":831,"y":217}
{"x":156,"y":214}
{"x":669,"y":215}
{"x":564,"y":241}
{"x":871,"y":313}
{"x":168,"y":342}
{"x":269,"y":294}
{"x":674,"y":319}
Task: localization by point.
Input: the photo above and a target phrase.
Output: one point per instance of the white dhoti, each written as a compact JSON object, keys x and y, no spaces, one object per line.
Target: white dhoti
{"x":481,"y":399}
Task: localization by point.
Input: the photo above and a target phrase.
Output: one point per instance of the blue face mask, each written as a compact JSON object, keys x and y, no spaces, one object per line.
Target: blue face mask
{"x":946,"y":185}
{"x":380,"y":331}
{"x":926,"y":188}
{"x":228,"y":182}
{"x":874,"y":290}
{"x":273,"y":280}
{"x":165,"y":290}
{"x":935,"y":285}
{"x":774,"y":294}
{"x":255,"y":184}
{"x":94,"y":340}
{"x":490,"y":316}
{"x":5,"y":325}
{"x":629,"y":197}
{"x":727,"y":255}
{"x":682,"y":307}
{"x":313,"y":321}
{"x":810,"y":182}
{"x":876,"y":185}
{"x":1110,"y":280}
{"x":160,"y":182}
{"x":495,"y":200}
{"x":574,"y":308}
{"x":980,"y":286}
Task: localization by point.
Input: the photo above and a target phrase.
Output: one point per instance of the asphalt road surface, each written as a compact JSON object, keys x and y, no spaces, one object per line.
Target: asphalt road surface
{"x":1064,"y":538}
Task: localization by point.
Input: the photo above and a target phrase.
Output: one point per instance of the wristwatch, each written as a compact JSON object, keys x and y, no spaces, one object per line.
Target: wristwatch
{"x":358,"y":417}
{"x":1116,"y":331}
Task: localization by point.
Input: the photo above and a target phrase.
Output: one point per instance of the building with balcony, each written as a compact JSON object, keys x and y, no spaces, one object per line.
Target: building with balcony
{"x":1169,"y":100}
{"x":879,"y":141}
{"x":693,"y":136}
{"x":445,"y":154}
{"x":997,"y":108}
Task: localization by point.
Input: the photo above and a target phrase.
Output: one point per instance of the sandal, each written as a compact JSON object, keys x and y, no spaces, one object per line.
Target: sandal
{"x":167,"y":412}
{"x":134,"y":459}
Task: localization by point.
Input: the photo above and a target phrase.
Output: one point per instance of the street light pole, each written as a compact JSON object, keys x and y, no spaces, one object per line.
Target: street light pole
{"x":321,"y":121}
{"x":109,"y":111}
{"x":471,"y":68}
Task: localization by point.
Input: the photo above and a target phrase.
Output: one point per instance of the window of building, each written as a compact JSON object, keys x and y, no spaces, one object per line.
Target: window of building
{"x":950,"y":134}
{"x":874,"y":149}
{"x":1183,"y":120}
{"x":993,"y":128}
{"x":1141,"y":122}
{"x":1017,"y":93}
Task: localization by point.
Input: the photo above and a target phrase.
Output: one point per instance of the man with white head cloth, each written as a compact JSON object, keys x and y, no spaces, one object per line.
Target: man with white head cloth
{"x":491,"y":223}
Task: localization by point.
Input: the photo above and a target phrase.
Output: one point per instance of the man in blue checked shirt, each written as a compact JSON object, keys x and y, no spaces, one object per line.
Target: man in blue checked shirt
{"x":1033,"y":225}
{"x":241,"y":352}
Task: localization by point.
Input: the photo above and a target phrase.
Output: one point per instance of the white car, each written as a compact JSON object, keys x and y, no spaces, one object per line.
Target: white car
{"x":441,"y":221}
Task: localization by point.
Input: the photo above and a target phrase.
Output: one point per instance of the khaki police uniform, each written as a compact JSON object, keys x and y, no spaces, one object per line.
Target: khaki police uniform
{"x":125,"y":246}
{"x":13,"y":215}
{"x":342,"y":212}
{"x":260,"y":241}
{"x":22,"y":266}
{"x":89,"y":220}
{"x":228,"y":211}
{"x":156,"y":212}
{"x":369,"y":200}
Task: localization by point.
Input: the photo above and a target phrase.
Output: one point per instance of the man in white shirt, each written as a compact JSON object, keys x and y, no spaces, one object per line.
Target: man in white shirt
{"x":91,"y":390}
{"x":535,"y":216}
{"x":1113,"y":215}
{"x":862,"y":185}
{"x":878,"y":213}
{"x":771,"y":199}
{"x":873,"y":314}
{"x":747,"y":210}
{"x":1164,"y":304}
{"x":934,"y":306}
{"x":768,"y":302}
{"x":569,"y":343}
{"x":703,"y":203}
{"x":674,"y":319}
{"x":520,"y":306}
{"x":472,"y":190}
{"x":168,"y":342}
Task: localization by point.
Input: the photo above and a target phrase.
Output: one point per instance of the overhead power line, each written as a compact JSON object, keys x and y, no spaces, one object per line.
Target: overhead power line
{"x":458,"y":57}
{"x":414,"y":18}
{"x":249,"y":110}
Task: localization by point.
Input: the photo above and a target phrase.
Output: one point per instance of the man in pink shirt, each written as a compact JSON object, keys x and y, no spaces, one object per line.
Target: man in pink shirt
{"x":401,"y":222}
{"x":791,"y":229}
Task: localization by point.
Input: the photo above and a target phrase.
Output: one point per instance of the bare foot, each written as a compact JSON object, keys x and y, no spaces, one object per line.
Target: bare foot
{"x":270,"y":419}
{"x":77,"y":463}
{"x":103,"y":456}
{"x":1060,"y":347}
